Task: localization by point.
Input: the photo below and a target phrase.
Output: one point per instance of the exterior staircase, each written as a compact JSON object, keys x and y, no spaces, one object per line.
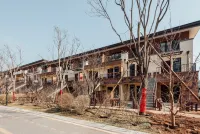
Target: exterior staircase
{"x":151,"y":90}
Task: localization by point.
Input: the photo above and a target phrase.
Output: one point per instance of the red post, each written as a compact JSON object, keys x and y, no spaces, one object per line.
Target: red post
{"x":13,"y":97}
{"x":143,"y":102}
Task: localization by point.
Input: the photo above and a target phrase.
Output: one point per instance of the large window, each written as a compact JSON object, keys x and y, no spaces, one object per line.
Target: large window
{"x":177,"y":65}
{"x":115,"y":56}
{"x":165,"y":47}
{"x":175,"y":45}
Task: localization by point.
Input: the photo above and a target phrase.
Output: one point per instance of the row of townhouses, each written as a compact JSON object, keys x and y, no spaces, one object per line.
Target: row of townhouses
{"x":116,"y":61}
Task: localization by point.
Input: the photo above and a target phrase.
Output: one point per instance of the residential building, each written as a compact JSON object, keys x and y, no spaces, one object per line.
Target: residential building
{"x":116,"y":61}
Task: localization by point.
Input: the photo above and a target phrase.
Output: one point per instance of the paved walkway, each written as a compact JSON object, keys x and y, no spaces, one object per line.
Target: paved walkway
{"x":20,"y":121}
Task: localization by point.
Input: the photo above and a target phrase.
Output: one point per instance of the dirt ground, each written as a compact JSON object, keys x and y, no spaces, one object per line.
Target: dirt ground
{"x":185,"y":125}
{"x":154,"y":123}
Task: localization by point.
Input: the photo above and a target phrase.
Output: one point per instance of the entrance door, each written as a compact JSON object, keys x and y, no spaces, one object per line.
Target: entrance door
{"x":164,"y":93}
{"x":176,"y":91}
{"x":116,"y":92}
{"x":109,"y":91}
{"x":134,"y":93}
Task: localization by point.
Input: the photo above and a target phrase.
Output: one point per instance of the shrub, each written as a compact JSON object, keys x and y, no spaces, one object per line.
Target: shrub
{"x":65,"y":101}
{"x":21,"y":98}
{"x":3,"y":98}
{"x":81,"y":103}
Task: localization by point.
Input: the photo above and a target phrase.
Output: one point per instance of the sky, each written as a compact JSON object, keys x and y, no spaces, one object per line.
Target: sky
{"x":30,"y":24}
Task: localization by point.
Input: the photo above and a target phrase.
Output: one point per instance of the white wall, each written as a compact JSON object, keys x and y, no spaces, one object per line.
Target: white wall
{"x":196,"y":49}
{"x":154,"y":65}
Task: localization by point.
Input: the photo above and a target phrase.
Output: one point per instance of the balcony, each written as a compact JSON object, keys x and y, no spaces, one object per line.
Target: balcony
{"x":183,"y":68}
{"x":17,"y":73}
{"x":51,"y":71}
{"x":78,"y":66}
{"x":110,"y":78}
{"x":188,"y":67}
{"x":114,"y":57}
{"x":44,"y":71}
{"x":125,"y":80}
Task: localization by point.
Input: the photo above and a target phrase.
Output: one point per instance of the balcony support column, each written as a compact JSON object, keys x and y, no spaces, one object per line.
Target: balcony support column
{"x":121,"y":92}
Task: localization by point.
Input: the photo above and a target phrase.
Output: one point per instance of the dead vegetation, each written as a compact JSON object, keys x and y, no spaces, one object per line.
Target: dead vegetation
{"x":66,"y":101}
{"x":153,"y":123}
{"x":3,"y":99}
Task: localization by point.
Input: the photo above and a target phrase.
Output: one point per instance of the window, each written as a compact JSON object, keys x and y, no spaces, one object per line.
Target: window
{"x":177,"y":65}
{"x":165,"y":47}
{"x":117,"y":72}
{"x":175,"y":45}
{"x":132,"y":70}
{"x":99,"y":60}
{"x":115,"y":56}
{"x":110,"y":73}
{"x":118,"y":56}
{"x":80,"y":64}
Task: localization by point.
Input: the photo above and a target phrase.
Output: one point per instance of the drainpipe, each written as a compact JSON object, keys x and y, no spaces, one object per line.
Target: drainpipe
{"x":188,"y":61}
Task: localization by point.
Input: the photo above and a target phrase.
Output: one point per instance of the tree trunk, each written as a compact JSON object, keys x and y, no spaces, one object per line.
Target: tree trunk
{"x":171,"y":94}
{"x":173,"y":120}
{"x":143,"y":97}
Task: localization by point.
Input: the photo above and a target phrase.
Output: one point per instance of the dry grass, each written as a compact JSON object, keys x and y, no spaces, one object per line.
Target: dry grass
{"x":152,"y":124}
{"x":3,"y":98}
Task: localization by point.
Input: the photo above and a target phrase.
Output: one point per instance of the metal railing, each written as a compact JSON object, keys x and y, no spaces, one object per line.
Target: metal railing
{"x":114,"y":57}
{"x":111,"y":75}
{"x":184,"y":68}
{"x":188,"y":67}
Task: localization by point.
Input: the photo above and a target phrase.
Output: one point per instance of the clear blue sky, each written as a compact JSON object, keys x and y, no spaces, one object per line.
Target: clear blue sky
{"x":29,"y":24}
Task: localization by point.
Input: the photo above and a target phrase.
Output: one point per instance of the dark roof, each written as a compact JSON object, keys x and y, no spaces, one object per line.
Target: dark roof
{"x":33,"y":63}
{"x":178,"y":28}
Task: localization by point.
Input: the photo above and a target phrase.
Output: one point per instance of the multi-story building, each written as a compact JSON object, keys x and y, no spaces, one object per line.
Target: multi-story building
{"x":112,"y":62}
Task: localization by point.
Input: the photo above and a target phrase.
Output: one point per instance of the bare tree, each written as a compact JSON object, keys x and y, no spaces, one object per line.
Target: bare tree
{"x":145,"y":10}
{"x":65,"y":49}
{"x":11,"y":61}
